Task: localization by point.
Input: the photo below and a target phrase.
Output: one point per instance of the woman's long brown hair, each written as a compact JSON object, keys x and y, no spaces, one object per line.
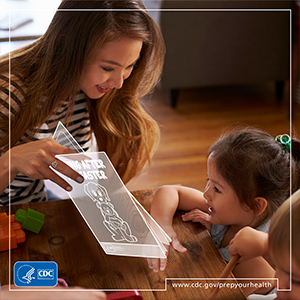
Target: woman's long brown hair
{"x":51,"y":67}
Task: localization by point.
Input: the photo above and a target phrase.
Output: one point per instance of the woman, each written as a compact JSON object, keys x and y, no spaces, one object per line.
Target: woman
{"x":88,"y":70}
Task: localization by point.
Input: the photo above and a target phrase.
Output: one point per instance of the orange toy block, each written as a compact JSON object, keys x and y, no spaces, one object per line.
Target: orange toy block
{"x":17,"y":235}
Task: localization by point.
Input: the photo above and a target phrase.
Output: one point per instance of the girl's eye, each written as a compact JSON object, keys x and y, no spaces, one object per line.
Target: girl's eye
{"x":217,"y":190}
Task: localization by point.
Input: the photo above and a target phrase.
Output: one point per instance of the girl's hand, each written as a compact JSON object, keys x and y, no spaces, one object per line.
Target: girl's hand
{"x":249,"y":243}
{"x":161,"y":263}
{"x":34,"y":158}
{"x":197,"y":215}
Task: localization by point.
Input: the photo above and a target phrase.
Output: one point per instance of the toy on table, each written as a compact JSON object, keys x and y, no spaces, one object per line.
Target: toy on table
{"x":16,"y":234}
{"x":31,"y":220}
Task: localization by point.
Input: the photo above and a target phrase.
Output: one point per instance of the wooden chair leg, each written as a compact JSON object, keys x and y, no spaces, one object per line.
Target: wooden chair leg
{"x":279,"y":89}
{"x":173,"y":96}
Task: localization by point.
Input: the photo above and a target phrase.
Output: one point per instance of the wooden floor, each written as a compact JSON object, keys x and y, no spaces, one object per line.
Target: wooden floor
{"x":200,"y":117}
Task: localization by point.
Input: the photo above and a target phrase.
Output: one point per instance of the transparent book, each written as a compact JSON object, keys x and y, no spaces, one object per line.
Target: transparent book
{"x":118,"y":221}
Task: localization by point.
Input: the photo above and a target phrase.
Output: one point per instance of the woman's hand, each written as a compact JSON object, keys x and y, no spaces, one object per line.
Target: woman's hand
{"x":34,"y":158}
{"x":197,"y":215}
{"x":161,"y":263}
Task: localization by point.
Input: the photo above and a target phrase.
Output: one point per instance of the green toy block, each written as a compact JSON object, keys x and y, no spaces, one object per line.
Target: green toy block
{"x":31,"y":220}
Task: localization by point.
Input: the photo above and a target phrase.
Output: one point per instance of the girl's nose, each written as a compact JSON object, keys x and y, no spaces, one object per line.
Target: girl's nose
{"x":206,"y":191}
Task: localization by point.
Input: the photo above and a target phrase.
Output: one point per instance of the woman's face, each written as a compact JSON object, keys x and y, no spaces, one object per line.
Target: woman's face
{"x":112,"y":65}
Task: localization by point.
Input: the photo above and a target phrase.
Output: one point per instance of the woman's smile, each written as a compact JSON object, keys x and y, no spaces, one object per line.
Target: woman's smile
{"x":102,"y":89}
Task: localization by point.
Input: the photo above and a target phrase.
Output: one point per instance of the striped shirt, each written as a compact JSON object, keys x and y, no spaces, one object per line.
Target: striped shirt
{"x":24,"y":189}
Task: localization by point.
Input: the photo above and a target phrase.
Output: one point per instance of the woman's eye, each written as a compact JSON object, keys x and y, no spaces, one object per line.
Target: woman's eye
{"x":108,"y":69}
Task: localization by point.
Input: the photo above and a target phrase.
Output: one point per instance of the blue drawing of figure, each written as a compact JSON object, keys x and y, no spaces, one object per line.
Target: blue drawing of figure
{"x":113,"y":222}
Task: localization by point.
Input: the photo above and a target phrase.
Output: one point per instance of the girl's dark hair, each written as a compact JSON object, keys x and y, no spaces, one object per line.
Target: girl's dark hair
{"x":255,"y":165}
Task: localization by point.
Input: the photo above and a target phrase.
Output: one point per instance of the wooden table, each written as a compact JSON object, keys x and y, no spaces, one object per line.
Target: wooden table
{"x":66,"y":239}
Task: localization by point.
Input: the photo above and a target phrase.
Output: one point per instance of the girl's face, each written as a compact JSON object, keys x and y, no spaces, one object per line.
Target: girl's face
{"x":224,"y":206}
{"x":282,"y":267}
{"x":112,"y":65}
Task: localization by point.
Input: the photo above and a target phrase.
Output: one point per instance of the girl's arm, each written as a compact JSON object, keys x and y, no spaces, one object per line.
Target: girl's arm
{"x":169,"y":198}
{"x":255,"y":275}
{"x":252,"y":246}
{"x":250,"y":243}
{"x":165,"y":202}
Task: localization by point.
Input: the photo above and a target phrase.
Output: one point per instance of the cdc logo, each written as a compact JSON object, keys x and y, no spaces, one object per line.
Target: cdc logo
{"x":45,"y":274}
{"x":35,"y":273}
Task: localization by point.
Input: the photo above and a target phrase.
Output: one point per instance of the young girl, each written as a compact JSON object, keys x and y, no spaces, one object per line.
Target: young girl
{"x":88,"y":70}
{"x":248,"y":179}
{"x":275,"y":247}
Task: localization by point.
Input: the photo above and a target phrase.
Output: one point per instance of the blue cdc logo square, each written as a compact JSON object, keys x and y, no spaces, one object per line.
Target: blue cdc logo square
{"x":35,"y":273}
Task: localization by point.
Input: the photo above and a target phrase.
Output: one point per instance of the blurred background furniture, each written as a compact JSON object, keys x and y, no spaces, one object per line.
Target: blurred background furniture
{"x":213,"y":43}
{"x":24,"y":21}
